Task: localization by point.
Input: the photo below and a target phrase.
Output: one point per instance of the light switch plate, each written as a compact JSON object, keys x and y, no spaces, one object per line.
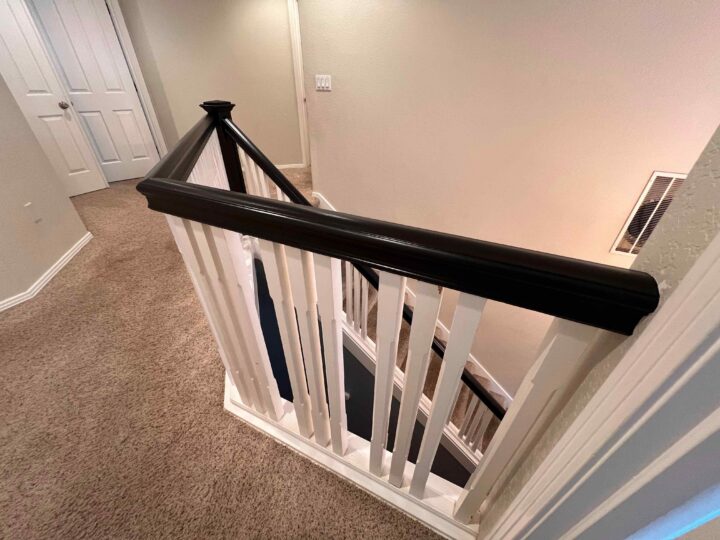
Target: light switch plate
{"x":323,"y":83}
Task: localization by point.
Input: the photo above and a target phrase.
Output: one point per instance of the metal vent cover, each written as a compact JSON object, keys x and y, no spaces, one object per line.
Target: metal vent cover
{"x":650,"y":208}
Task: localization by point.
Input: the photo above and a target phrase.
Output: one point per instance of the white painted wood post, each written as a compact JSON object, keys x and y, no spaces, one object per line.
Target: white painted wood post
{"x":356,"y":300}
{"x":422,"y":332}
{"x":302,"y":280}
{"x":349,"y":292}
{"x":278,"y":280}
{"x":479,"y":435}
{"x":248,"y":173}
{"x":462,"y":333}
{"x":557,"y":368}
{"x":467,"y":418}
{"x":391,"y":296}
{"x":329,"y":289}
{"x":244,"y":316}
{"x":364,"y":310}
{"x":229,"y":350}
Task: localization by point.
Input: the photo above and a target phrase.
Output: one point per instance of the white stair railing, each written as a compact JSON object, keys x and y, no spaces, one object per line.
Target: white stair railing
{"x":307,"y":292}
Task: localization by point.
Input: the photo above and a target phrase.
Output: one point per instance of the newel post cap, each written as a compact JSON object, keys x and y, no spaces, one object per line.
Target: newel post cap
{"x":217,"y":107}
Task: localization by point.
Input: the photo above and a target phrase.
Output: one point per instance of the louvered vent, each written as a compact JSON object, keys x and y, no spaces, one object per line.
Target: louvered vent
{"x":650,"y":208}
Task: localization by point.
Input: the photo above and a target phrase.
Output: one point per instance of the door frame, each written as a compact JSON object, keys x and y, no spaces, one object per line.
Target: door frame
{"x":299,"y":76}
{"x":136,"y":73}
{"x":654,"y":379}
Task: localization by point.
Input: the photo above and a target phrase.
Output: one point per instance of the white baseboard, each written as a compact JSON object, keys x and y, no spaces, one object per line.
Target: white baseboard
{"x":292,"y":166}
{"x":47,"y":276}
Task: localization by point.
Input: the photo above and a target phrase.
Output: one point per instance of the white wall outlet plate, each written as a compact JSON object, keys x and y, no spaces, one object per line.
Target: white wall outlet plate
{"x":323,"y":83}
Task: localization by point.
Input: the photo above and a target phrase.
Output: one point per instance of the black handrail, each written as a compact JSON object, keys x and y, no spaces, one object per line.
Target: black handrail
{"x":282,"y":183}
{"x":602,"y":296}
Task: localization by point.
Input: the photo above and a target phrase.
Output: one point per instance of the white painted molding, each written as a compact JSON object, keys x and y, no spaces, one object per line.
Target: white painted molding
{"x":291,"y":166}
{"x":323,"y":202}
{"x":127,"y":48}
{"x":299,"y":77}
{"x":36,"y":287}
{"x":661,"y":365}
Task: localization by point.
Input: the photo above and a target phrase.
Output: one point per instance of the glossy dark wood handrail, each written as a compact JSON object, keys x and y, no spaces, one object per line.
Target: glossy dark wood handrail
{"x":282,"y":183}
{"x":179,"y":162}
{"x":602,"y":296}
{"x":268,"y":167}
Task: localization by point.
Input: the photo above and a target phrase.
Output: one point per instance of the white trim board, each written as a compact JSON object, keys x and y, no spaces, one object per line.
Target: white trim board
{"x":43,"y":280}
{"x":134,"y":66}
{"x":639,"y":430}
{"x":299,"y":77}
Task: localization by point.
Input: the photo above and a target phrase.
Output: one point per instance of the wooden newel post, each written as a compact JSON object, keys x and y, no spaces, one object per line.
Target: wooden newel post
{"x":220,"y":110}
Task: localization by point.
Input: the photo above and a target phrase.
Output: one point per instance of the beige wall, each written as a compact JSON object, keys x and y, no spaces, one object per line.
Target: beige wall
{"x":534,"y":124}
{"x":690,"y":224}
{"x":29,"y":249}
{"x":192,"y":51}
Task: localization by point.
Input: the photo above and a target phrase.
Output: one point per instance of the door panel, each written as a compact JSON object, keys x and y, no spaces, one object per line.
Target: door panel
{"x":32,"y":81}
{"x":91,"y":63}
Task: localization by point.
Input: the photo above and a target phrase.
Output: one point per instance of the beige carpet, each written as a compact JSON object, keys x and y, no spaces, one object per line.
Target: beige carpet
{"x":111,"y":418}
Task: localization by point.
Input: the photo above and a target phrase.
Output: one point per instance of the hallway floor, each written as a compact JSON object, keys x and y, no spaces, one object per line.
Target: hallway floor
{"x":111,"y":415}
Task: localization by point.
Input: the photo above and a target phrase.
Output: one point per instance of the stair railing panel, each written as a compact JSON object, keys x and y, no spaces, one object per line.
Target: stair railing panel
{"x":303,"y":249}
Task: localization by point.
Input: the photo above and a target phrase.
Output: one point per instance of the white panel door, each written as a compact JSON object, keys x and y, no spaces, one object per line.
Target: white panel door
{"x":91,"y":63}
{"x":30,"y":77}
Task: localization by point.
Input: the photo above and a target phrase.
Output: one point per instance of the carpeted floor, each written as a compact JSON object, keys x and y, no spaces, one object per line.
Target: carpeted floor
{"x":111,"y":418}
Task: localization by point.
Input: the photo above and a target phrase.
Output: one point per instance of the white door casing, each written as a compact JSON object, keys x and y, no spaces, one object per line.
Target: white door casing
{"x":91,"y":64}
{"x":27,"y":71}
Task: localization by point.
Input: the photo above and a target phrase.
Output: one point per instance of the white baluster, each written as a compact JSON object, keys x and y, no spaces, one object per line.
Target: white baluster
{"x":302,"y":280}
{"x":244,"y":316}
{"x":198,"y":273}
{"x":480,"y":434}
{"x":462,"y":333}
{"x":558,"y":365}
{"x":477,"y":417}
{"x":276,"y":272}
{"x":356,"y":299}
{"x":391,"y":295}
{"x":349,"y":292}
{"x":422,"y":331}
{"x":198,"y":241}
{"x":260,"y":175}
{"x":248,"y":173}
{"x":364,"y":310}
{"x":329,"y":288}
{"x":469,"y":413}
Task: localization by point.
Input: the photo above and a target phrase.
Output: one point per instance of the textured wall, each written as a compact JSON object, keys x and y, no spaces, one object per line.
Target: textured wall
{"x":534,"y":124}
{"x":192,"y":51}
{"x":687,"y":228}
{"x":29,"y":249}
